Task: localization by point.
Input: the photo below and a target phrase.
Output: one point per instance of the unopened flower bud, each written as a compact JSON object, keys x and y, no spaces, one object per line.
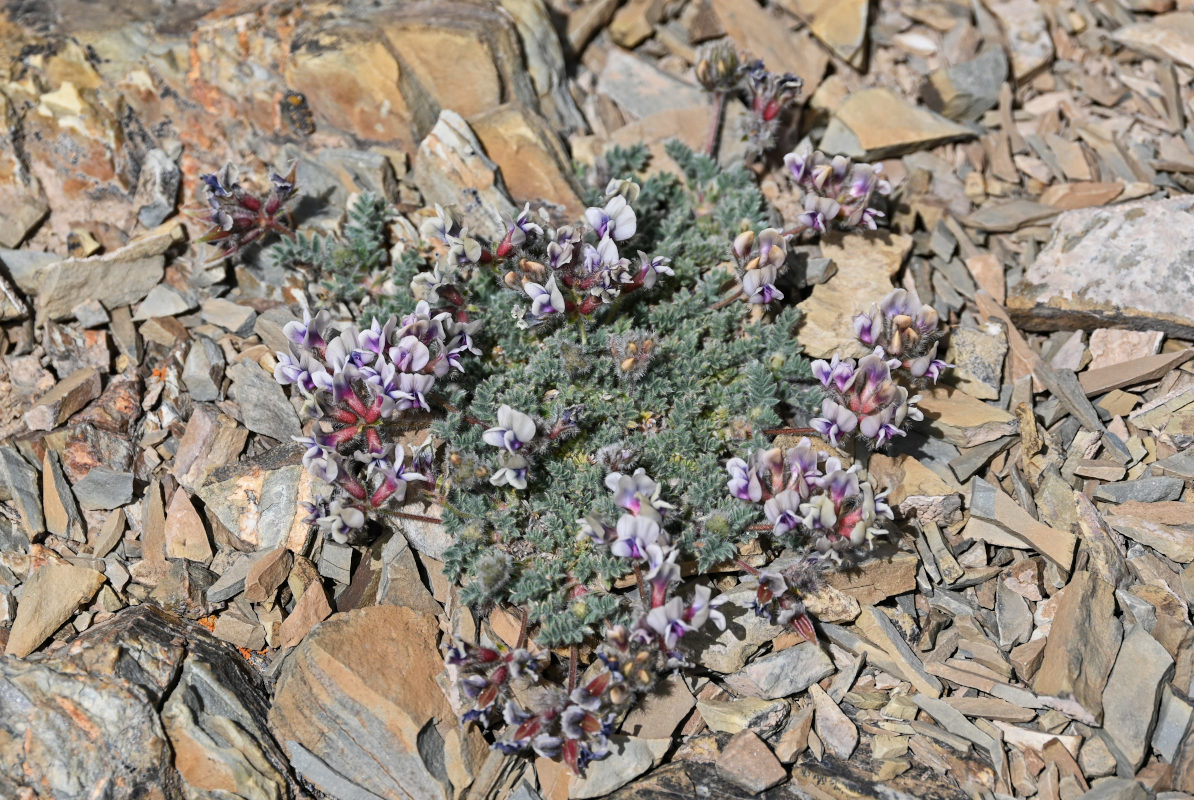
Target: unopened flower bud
{"x":743,"y":243}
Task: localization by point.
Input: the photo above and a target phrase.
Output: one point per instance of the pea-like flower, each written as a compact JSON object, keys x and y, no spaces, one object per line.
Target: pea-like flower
{"x":546,"y":299}
{"x":635,"y":535}
{"x":637,"y":493}
{"x":837,"y":191}
{"x":759,"y":285}
{"x":513,"y":472}
{"x":651,"y":268}
{"x":341,"y":519}
{"x":616,"y":219}
{"x":513,"y":432}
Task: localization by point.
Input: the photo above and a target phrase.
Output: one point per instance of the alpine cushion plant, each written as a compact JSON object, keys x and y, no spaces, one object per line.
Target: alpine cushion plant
{"x":586,"y":387}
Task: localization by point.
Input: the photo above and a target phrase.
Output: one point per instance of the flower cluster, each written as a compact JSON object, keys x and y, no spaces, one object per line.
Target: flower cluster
{"x":768,"y":95}
{"x":862,"y":397}
{"x":906,"y":330}
{"x":811,"y":499}
{"x":778,"y":597}
{"x":569,"y":271}
{"x":759,"y":259}
{"x":357,"y":385}
{"x":513,"y":432}
{"x":239,"y":218}
{"x":572,"y":726}
{"x":640,"y":538}
{"x":836,"y":190}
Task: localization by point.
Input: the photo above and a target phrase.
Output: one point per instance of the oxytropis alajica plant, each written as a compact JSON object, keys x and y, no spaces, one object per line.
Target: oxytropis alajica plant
{"x":587,"y":388}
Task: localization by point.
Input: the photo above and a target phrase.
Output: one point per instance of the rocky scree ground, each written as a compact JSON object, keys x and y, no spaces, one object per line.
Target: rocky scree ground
{"x":1029,"y":633}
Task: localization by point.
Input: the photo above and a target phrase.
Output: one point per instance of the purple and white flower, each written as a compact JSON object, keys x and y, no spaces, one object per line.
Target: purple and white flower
{"x":513,"y":432}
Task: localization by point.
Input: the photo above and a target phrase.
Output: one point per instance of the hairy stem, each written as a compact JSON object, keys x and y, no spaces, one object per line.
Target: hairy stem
{"x":522,"y":631}
{"x":719,"y":99}
{"x":638,"y":578}
{"x":723,"y":303}
{"x":573,"y":658}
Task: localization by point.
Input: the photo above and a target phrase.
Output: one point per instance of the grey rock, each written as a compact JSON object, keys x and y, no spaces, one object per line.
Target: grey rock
{"x":640,"y":89}
{"x":1144,"y":490}
{"x":1133,"y":693}
{"x":25,"y":206}
{"x":784,"y":673}
{"x":26,"y":266}
{"x":764,"y":717}
{"x":12,"y":539}
{"x":525,"y":791}
{"x":263,"y":404}
{"x":164,"y":300}
{"x":240,"y":629}
{"x":232,"y":582}
{"x":727,"y":651}
{"x":269,"y":325}
{"x":545,"y":63}
{"x":157,"y":188}
{"x":964,"y":91}
{"x":104,"y":489}
{"x":182,"y":590}
{"x":338,"y":700}
{"x":20,"y":479}
{"x":87,"y":716}
{"x":429,"y":539}
{"x":400,"y":583}
{"x":661,"y":711}
{"x":258,"y":499}
{"x":977,"y":356}
{"x":1117,"y":789}
{"x":228,"y":315}
{"x":203,"y":371}
{"x":1079,"y":279}
{"x":1174,"y":720}
{"x":119,"y":278}
{"x":1179,"y":465}
{"x":629,"y":757}
{"x":1012,"y":615}
{"x":368,"y":171}
{"x":335,"y":561}
{"x":90,"y":314}
{"x":451,"y":167}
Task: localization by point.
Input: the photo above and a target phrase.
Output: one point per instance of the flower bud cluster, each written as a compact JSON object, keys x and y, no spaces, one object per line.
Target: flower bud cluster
{"x":768,"y":95}
{"x":358,"y":386}
{"x":633,"y":353}
{"x":836,"y":190}
{"x":907,"y":330}
{"x":718,"y":68}
{"x":811,"y":499}
{"x":759,"y":259}
{"x":239,"y":218}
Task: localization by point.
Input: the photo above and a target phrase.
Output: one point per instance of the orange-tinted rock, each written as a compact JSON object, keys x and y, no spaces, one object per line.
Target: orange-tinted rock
{"x":342,"y":710}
